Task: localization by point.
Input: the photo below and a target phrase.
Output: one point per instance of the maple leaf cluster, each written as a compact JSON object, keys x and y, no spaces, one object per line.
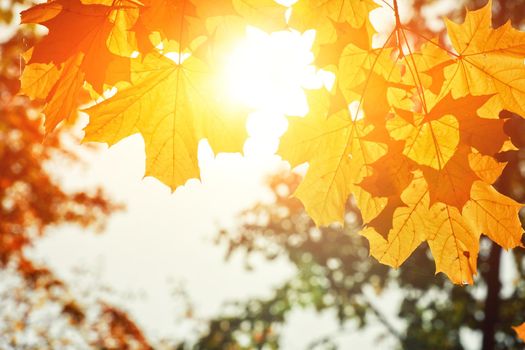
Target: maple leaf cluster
{"x":418,"y":153}
{"x":172,"y":101}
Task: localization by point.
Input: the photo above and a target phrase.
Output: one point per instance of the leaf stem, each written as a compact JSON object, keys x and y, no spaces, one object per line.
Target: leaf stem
{"x":396,"y":13}
{"x":436,"y":43}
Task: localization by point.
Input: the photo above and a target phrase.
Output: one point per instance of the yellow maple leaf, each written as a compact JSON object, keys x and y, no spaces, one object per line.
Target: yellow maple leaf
{"x":338,"y":156}
{"x":430,"y":143}
{"x":77,"y":44}
{"x":451,"y":185}
{"x":410,"y":227}
{"x":123,"y":15}
{"x":489,"y":61}
{"x":38,"y":79}
{"x":355,"y":65}
{"x":318,"y":14}
{"x":165,"y":105}
{"x":62,"y":103}
{"x":454,"y":243}
{"x":485,"y":167}
{"x":494,"y":214}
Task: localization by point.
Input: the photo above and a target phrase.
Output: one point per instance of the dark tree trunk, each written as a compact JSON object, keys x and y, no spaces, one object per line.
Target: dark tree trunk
{"x":492,"y":302}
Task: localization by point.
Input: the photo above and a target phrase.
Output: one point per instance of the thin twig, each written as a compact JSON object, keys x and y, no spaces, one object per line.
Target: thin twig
{"x":391,"y":329}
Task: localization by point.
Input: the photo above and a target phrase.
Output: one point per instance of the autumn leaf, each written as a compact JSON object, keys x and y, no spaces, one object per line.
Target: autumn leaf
{"x":338,"y":156}
{"x":78,"y":29}
{"x":453,"y":243}
{"x":329,"y":53}
{"x":359,"y":69}
{"x":520,"y":331}
{"x":307,"y":14}
{"x":38,"y":79}
{"x":410,"y":227}
{"x":489,"y":61}
{"x":486,"y":168}
{"x":474,"y":129}
{"x":77,"y":46}
{"x":430,"y":143}
{"x":172,"y":20}
{"x":123,"y":15}
{"x":451,"y":185}
{"x":391,"y":175}
{"x":494,"y":214}
{"x":163,"y":105}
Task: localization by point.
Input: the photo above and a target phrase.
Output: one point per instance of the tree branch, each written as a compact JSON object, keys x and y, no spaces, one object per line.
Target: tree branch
{"x":383,"y":320}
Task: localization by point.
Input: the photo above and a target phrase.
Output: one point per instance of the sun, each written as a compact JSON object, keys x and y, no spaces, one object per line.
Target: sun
{"x":268,"y":73}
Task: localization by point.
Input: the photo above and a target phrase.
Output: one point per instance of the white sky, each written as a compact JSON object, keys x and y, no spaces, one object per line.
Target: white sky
{"x":164,"y":236}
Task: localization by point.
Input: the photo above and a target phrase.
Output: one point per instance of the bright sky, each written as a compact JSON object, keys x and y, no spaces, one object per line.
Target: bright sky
{"x":164,"y":237}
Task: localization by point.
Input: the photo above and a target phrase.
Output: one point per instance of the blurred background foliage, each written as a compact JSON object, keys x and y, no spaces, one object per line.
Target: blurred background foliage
{"x":37,"y":309}
{"x":334,"y":272}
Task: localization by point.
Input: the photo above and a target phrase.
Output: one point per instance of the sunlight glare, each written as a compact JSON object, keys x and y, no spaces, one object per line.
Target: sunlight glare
{"x":269,"y":71}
